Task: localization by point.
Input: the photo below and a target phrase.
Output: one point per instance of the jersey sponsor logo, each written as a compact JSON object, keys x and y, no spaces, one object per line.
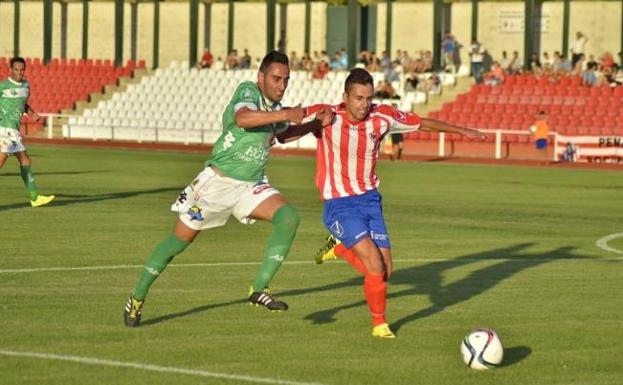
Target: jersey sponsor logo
{"x":195,"y":214}
{"x":152,"y":271}
{"x":337,"y":229}
{"x":14,"y":93}
{"x":276,"y":257}
{"x":229,"y":140}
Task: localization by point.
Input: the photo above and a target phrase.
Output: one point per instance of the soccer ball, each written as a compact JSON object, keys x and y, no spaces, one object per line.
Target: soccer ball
{"x":533,"y":129}
{"x":482,"y":349}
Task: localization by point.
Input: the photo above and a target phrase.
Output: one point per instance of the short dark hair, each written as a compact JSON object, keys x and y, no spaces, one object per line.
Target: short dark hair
{"x":273,"y":57}
{"x":358,"y":76}
{"x":17,"y":59}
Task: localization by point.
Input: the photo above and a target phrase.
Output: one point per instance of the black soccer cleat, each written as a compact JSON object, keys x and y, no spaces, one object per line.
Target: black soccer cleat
{"x":264,"y":298}
{"x":132,"y":312}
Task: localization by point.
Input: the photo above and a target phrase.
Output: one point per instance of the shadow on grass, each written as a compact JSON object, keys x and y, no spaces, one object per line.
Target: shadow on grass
{"x":198,"y":309}
{"x":514,"y":355}
{"x":14,"y":174}
{"x":427,"y":280}
{"x":72,"y":199}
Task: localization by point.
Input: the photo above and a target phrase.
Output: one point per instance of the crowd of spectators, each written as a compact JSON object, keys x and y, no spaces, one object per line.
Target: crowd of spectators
{"x":600,"y":71}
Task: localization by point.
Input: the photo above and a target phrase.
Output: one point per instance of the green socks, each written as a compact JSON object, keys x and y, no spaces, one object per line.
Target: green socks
{"x":29,"y":181}
{"x":286,"y":220}
{"x":157,"y":262}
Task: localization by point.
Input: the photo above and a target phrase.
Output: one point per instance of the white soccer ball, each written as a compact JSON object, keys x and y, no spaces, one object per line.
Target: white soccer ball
{"x":482,"y":349}
{"x":533,"y":129}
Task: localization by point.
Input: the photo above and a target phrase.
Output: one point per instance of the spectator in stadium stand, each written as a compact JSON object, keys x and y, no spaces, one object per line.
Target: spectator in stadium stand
{"x":589,"y":77}
{"x":496,"y":76}
{"x":233,"y":60}
{"x":206,"y":60}
{"x":607,"y":61}
{"x":447,"y":47}
{"x":515,"y":66}
{"x":245,"y":60}
{"x":504,"y":62}
{"x":547,"y":61}
{"x":591,"y":61}
{"x":535,"y":63}
{"x":375,"y":63}
{"x":295,"y":62}
{"x":411,"y":83}
{"x":476,"y":56}
{"x":321,"y":70}
{"x":540,"y":133}
{"x":577,"y":48}
{"x":386,"y":61}
{"x":579,"y":66}
{"x":384,"y":90}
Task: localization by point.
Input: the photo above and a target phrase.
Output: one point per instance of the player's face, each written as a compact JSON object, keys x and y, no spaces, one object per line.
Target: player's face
{"x":17,"y":71}
{"x":358,"y":100}
{"x":274,"y":81}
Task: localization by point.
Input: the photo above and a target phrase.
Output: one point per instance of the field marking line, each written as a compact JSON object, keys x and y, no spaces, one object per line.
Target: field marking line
{"x":216,"y":264}
{"x":603,"y":243}
{"x":153,"y":368}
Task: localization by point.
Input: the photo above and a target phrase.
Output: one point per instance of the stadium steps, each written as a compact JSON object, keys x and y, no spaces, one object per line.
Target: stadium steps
{"x":449,"y":94}
{"x":94,"y":99}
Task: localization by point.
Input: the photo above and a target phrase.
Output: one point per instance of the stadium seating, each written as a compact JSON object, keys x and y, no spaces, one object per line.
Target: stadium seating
{"x":178,"y":104}
{"x":572,"y":109}
{"x":63,"y":82}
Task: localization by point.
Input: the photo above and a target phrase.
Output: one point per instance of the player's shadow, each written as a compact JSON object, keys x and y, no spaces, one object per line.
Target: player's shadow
{"x":72,"y":199}
{"x":428,"y":280}
{"x":14,"y":174}
{"x":198,"y":309}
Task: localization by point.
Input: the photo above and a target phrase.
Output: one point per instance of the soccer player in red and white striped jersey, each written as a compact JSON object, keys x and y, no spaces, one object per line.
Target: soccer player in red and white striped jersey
{"x":346,"y":179}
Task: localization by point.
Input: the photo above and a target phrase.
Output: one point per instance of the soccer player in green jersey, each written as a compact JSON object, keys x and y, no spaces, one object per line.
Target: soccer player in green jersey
{"x":234,"y":183}
{"x":14,"y":92}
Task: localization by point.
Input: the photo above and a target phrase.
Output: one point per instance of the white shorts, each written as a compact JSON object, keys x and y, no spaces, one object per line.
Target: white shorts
{"x":11,"y":141}
{"x":210,"y":199}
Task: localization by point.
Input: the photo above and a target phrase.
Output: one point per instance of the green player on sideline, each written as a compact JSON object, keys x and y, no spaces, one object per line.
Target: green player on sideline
{"x":14,"y":92}
{"x":234,"y":183}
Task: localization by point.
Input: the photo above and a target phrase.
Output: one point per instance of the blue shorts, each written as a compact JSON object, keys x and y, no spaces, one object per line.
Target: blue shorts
{"x":540,"y":143}
{"x":351,"y":219}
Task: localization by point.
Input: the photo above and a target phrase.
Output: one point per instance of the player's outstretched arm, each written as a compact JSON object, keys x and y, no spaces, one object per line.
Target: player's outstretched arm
{"x":432,"y":125}
{"x":248,"y":118}
{"x":320,"y":119}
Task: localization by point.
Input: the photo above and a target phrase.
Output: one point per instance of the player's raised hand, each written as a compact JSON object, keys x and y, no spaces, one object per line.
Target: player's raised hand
{"x":295,"y":115}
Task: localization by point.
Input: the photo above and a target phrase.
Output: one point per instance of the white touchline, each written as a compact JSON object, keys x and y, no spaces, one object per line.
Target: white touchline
{"x":215,"y":264}
{"x":153,"y":368}
{"x":603,"y":243}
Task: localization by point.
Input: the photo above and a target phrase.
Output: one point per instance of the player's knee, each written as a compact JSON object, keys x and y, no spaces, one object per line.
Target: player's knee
{"x":287,"y":218}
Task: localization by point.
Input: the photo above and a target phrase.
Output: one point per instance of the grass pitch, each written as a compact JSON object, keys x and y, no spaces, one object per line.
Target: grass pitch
{"x":509,"y":248}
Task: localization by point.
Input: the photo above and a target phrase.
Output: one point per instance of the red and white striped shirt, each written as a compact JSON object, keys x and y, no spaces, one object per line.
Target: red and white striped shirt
{"x":347,"y":151}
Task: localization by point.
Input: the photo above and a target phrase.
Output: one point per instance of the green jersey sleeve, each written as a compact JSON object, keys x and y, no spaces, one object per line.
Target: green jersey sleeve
{"x":247,"y":95}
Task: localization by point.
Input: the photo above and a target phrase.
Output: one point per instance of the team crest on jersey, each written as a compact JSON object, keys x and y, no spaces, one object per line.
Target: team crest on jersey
{"x":195,"y":214}
{"x":337,"y":229}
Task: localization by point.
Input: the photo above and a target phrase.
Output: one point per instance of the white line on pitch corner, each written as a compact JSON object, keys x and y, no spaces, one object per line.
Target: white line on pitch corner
{"x":603,"y":243}
{"x":152,"y":368}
